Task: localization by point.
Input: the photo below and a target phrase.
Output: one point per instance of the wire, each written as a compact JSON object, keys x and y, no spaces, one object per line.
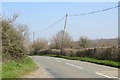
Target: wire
{"x":94,"y":11}
{"x":52,"y":25}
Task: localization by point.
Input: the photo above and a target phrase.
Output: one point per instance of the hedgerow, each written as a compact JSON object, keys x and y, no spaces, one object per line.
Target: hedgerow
{"x":12,"y":45}
{"x":109,"y":53}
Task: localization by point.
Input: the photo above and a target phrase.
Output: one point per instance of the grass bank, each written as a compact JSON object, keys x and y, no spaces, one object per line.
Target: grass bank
{"x":88,"y":59}
{"x":15,"y":69}
{"x":0,"y":70}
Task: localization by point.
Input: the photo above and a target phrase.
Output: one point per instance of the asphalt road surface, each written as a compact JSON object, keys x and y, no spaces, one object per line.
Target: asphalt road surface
{"x":63,"y":68}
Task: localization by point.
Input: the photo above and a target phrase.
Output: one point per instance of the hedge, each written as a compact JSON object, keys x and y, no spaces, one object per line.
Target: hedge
{"x":108,"y":53}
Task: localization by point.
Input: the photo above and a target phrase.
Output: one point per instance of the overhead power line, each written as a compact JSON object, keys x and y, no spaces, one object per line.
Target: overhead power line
{"x":93,"y":12}
{"x":52,"y":25}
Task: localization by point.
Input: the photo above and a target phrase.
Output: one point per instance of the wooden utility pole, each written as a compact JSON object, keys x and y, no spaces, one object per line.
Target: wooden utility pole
{"x":62,"y":43}
{"x":33,"y":37}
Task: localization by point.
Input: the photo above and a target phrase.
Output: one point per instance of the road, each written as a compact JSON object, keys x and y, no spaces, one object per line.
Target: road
{"x":63,"y":68}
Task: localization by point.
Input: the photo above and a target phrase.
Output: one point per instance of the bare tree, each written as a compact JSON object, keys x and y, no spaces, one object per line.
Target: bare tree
{"x":24,"y":35}
{"x":39,"y":44}
{"x":61,"y":39}
{"x":83,"y":42}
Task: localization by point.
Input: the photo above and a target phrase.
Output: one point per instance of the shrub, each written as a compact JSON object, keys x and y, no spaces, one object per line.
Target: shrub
{"x":12,"y":46}
{"x":38,"y":45}
{"x":110,"y":53}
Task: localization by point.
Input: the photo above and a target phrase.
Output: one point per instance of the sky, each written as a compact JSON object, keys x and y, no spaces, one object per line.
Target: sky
{"x":39,"y":15}
{"x":59,"y":0}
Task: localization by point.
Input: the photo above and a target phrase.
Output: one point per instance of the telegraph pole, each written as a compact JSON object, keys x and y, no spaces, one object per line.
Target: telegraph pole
{"x":62,"y":43}
{"x":33,"y":37}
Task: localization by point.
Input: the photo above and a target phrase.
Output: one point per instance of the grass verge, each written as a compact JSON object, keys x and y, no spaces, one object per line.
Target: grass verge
{"x":15,"y":69}
{"x":88,"y":59}
{"x":0,"y":71}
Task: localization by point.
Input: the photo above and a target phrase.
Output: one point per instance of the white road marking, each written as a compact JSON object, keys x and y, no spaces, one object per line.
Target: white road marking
{"x":48,"y":57}
{"x":61,"y":59}
{"x":74,"y":65}
{"x":53,"y":58}
{"x":105,"y":75}
{"x":58,"y":60}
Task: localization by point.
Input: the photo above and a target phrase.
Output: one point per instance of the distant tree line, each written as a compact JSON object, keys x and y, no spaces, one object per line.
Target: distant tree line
{"x":68,"y":43}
